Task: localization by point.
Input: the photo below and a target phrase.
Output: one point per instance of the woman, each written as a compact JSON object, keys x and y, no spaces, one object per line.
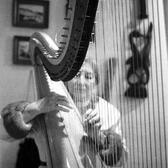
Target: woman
{"x":101,"y":120}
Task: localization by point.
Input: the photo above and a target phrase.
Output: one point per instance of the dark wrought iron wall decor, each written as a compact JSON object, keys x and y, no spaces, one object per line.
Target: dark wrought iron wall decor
{"x":138,"y":72}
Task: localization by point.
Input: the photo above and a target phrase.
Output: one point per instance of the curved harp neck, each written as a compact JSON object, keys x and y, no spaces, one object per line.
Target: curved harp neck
{"x":64,"y":62}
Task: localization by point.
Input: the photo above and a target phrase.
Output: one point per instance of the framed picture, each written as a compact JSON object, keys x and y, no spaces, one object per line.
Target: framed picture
{"x":30,"y":13}
{"x":20,"y":50}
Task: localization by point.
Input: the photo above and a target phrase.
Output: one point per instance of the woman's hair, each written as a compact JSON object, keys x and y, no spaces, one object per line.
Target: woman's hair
{"x":94,"y":67}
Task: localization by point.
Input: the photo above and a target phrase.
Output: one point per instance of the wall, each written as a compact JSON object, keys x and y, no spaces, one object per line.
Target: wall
{"x":143,"y":120}
{"x":17,"y":82}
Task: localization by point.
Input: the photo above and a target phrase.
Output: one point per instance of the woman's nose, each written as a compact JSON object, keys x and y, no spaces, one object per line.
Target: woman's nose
{"x":82,"y":79}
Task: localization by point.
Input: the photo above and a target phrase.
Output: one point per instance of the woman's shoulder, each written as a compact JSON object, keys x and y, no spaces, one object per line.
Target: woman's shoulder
{"x":106,"y":106}
{"x":109,"y":114}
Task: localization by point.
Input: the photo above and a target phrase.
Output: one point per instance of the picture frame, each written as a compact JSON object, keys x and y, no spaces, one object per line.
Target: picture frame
{"x":30,"y":13}
{"x":20,"y":50}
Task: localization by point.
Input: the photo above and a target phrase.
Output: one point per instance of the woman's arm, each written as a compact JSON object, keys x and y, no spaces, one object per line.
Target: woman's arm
{"x":112,"y":151}
{"x":13,"y":120}
{"x":17,"y":118}
{"x":3,"y":133}
{"x":112,"y":147}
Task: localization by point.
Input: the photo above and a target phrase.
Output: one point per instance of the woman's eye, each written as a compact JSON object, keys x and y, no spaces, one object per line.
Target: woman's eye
{"x":78,"y":75}
{"x":89,"y":76}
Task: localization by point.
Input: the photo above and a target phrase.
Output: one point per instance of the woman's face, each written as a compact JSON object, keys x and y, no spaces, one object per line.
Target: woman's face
{"x":83,"y":86}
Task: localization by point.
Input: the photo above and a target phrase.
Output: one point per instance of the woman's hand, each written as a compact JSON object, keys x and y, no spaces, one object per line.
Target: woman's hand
{"x":52,"y":102}
{"x":92,"y":124}
{"x":17,"y":116}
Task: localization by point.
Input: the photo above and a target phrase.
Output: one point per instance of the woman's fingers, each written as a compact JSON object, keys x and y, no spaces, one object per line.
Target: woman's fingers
{"x":60,"y":100}
{"x":98,"y":125}
{"x":90,"y":114}
{"x":94,"y":120}
{"x":64,"y":103}
{"x":53,"y":102}
{"x":92,"y":117}
{"x":61,"y":108}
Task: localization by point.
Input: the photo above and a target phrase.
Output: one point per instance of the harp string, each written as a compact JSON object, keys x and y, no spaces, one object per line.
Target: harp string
{"x":144,"y":127}
{"x":163,"y":157}
{"x":96,"y":53}
{"x":156,"y":106}
{"x":148,"y":155}
{"x":163,"y":103}
{"x":158,"y":81}
{"x":144,"y":107}
{"x":127,"y":120}
{"x":153,"y":71}
{"x":138,"y":103}
{"x":125,"y":104}
{"x":107,"y":8}
{"x":138,"y":139}
{"x":123,"y":20}
{"x":111,"y":66}
{"x":102,"y":19}
{"x":103,"y":15}
{"x":144,"y":112}
{"x":142,"y":119}
{"x":155,"y":89}
{"x":110,"y":61}
{"x":104,"y":46}
{"x":94,"y":45}
{"x":153,"y":150}
{"x":121,"y":53}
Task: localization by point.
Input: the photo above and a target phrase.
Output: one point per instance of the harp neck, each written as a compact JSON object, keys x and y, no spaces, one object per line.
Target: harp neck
{"x":62,"y":64}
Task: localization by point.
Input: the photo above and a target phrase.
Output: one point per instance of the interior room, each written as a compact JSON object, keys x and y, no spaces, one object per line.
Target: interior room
{"x":127,"y":41}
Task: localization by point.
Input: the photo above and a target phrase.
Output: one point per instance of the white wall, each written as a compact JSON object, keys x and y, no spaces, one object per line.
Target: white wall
{"x":140,"y":117}
{"x":16,"y":82}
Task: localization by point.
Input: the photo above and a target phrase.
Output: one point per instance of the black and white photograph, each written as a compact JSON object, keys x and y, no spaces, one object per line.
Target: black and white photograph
{"x":83,"y":83}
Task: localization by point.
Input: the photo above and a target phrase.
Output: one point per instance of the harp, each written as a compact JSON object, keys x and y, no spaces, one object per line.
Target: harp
{"x":139,"y":87}
{"x":62,"y":64}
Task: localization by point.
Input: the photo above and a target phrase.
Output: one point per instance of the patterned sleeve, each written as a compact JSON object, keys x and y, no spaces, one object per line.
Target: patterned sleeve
{"x":13,"y":122}
{"x":113,"y":149}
